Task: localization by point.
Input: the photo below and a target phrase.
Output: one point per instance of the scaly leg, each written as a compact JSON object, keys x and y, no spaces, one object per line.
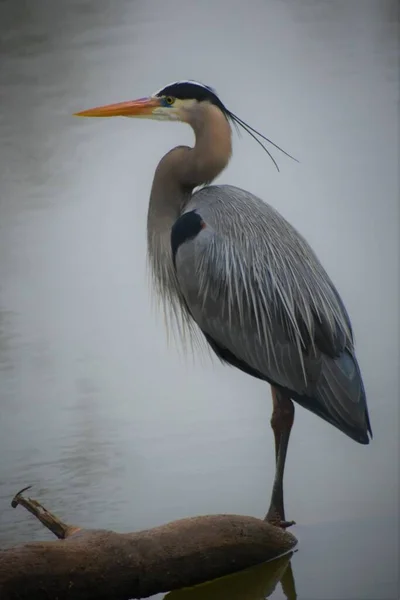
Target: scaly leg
{"x":281,"y":423}
{"x":274,"y":421}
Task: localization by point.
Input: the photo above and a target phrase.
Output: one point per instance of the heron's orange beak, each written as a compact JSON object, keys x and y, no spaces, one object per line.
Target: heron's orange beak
{"x":143,"y":107}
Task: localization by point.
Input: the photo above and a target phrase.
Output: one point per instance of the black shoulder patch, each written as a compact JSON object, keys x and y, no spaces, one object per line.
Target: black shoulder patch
{"x":187,"y":227}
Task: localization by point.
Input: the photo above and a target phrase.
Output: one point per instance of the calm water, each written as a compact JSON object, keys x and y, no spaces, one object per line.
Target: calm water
{"x":112,"y":425}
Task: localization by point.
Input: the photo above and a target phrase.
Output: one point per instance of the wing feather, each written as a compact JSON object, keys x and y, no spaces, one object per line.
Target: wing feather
{"x":256,"y":289}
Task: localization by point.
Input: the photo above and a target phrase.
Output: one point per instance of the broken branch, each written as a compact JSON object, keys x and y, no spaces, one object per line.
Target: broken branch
{"x":87,"y":564}
{"x":53,"y":523}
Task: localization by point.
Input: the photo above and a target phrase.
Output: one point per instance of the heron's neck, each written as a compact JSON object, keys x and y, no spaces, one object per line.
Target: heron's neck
{"x":182,"y":169}
{"x":177,"y":174}
{"x":167,"y":200}
{"x":213,"y":147}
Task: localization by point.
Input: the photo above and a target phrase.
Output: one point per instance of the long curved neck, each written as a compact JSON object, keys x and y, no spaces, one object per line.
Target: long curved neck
{"x":213,"y":147}
{"x":183,"y":168}
{"x":178,"y":172}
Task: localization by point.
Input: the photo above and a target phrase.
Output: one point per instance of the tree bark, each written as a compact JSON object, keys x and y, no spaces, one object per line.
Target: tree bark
{"x":100,"y":564}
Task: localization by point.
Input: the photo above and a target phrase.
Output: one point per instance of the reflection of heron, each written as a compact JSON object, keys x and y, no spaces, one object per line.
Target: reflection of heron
{"x":229,"y":262}
{"x":255,"y":583}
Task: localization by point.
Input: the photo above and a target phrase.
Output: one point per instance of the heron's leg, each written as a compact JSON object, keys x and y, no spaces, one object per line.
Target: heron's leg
{"x":274,"y":420}
{"x":281,"y":423}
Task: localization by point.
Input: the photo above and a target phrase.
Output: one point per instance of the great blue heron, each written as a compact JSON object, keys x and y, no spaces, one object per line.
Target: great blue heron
{"x":229,"y":262}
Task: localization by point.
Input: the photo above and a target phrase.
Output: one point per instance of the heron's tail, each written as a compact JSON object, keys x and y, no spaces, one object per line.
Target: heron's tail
{"x":340,"y":397}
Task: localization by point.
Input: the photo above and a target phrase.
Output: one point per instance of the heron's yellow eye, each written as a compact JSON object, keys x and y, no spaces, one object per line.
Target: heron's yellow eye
{"x":169,"y":100}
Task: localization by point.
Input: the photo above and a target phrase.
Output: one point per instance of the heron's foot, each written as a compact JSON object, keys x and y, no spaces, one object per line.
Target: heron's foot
{"x":284,"y":524}
{"x":274,"y":518}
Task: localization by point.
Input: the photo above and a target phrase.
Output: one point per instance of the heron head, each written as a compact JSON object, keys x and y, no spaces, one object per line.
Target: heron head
{"x":173,"y":102}
{"x":178,"y":102}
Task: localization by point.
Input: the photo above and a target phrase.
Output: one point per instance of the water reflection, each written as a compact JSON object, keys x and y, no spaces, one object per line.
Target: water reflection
{"x":108,"y":422}
{"x":256,"y":583}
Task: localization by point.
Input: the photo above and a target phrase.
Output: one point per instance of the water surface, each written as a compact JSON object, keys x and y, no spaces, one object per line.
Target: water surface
{"x":114,"y":427}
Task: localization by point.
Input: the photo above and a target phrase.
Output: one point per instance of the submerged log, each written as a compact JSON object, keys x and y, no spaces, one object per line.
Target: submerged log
{"x":86,"y":564}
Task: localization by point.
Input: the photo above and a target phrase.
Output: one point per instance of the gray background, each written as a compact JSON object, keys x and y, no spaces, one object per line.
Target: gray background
{"x":114,"y":426}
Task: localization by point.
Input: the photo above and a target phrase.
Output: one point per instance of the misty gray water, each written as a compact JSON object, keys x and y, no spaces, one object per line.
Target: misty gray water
{"x":113,"y":426}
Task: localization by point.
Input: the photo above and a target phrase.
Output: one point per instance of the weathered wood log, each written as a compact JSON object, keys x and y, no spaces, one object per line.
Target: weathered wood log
{"x":100,"y":564}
